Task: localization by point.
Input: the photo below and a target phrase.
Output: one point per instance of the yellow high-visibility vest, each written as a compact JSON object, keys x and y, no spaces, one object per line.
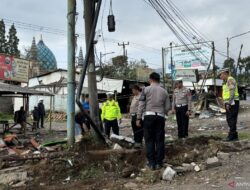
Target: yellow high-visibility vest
{"x":111,"y":110}
{"x":226,"y":90}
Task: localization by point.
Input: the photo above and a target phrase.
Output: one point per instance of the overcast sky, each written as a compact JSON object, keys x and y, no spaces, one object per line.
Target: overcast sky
{"x":136,"y":22}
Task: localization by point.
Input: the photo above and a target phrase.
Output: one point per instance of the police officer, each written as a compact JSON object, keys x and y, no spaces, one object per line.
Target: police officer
{"x":110,"y":115}
{"x":231,"y":99}
{"x":138,"y":131}
{"x":154,"y":104}
{"x":181,"y":106}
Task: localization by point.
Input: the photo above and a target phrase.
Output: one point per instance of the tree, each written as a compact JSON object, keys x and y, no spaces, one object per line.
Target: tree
{"x":229,"y":63}
{"x":2,"y":37}
{"x":120,"y":68}
{"x":245,"y":63}
{"x":13,"y":41}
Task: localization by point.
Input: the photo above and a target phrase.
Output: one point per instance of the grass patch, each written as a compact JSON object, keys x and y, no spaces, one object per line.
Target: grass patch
{"x":242,"y":135}
{"x":4,"y":116}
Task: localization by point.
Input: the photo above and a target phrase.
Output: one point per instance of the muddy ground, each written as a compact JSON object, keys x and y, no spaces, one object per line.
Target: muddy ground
{"x":91,"y":166}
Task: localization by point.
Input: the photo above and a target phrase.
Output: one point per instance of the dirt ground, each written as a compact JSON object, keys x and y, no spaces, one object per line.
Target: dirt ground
{"x":90,"y":166}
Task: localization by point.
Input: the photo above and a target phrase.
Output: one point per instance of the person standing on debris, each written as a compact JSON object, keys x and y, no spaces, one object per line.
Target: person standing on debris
{"x":35,"y":115}
{"x":80,"y":124}
{"x":20,"y":118}
{"x":231,"y":99}
{"x":138,"y":131}
{"x":86,"y":106}
{"x":85,"y":103}
{"x":111,"y":114}
{"x":41,"y":111}
{"x":181,"y":106}
{"x":153,"y":105}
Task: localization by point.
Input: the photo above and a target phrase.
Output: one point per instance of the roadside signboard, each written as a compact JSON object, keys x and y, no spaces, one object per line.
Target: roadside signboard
{"x":13,"y":69}
{"x":190,"y":75}
{"x":194,"y":57}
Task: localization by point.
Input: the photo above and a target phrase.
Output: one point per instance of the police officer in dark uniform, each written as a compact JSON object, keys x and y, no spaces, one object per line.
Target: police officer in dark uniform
{"x":153,"y":105}
{"x":181,"y":106}
{"x":231,"y":99}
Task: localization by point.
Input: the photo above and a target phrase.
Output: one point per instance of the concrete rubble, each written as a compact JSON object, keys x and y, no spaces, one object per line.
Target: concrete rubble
{"x":223,"y":156}
{"x":123,"y":141}
{"x":131,"y":185}
{"x":212,"y":162}
{"x":168,"y":174}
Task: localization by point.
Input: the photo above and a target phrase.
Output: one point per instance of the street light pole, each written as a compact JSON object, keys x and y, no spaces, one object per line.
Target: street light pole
{"x":230,"y":38}
{"x":102,"y":55}
{"x":227,"y":48}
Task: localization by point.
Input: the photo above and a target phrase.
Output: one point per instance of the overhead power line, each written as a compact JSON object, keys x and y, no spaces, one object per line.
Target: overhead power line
{"x":55,"y":31}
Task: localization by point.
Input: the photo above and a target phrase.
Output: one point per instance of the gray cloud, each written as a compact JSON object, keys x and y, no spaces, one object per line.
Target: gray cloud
{"x":136,"y":22}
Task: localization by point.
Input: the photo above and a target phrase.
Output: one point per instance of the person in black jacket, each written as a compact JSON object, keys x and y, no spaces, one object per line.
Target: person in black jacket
{"x":20,"y":118}
{"x":35,"y":115}
{"x":41,"y":112}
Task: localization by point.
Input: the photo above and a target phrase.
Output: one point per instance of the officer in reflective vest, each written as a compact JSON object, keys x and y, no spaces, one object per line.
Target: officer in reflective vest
{"x":111,"y":114}
{"x":230,"y":97}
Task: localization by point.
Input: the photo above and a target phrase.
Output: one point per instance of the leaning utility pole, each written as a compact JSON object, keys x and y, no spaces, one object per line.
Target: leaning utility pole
{"x":214,"y":69}
{"x":238,"y":62}
{"x":89,"y":13}
{"x":71,"y":73}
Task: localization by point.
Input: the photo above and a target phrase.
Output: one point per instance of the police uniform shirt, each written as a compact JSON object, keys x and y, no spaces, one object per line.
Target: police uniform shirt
{"x":232,"y":85}
{"x":153,"y":99}
{"x":182,"y":97}
{"x":134,"y":104}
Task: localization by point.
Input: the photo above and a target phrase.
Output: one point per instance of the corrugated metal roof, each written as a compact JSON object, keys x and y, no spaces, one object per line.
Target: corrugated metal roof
{"x":9,"y":89}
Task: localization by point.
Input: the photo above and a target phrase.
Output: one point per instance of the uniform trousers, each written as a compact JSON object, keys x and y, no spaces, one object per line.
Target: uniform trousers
{"x":182,"y":121}
{"x":154,"y":135}
{"x":232,"y":115}
{"x":138,"y":131}
{"x":111,"y":124}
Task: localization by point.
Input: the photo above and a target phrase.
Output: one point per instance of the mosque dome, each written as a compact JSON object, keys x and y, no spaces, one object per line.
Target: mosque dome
{"x":46,"y":57}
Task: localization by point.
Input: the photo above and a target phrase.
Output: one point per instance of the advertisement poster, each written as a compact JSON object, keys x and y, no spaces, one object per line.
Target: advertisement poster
{"x":193,"y":57}
{"x":13,"y":69}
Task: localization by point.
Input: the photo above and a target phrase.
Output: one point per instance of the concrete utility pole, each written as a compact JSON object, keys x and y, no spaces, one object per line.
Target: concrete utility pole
{"x":172,"y":66}
{"x":238,"y":62}
{"x":89,"y":12}
{"x":124,"y":49}
{"x":71,"y":73}
{"x":163,"y":67}
{"x":214,"y":69}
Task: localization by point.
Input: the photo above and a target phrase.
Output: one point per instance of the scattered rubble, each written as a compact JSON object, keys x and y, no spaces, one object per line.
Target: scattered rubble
{"x":212,"y":162}
{"x":131,"y":185}
{"x":197,"y":168}
{"x":122,"y":140}
{"x":168,"y":174}
{"x":223,"y":155}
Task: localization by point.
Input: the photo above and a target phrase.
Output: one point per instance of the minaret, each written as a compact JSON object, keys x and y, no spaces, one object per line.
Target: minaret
{"x":33,"y":51}
{"x":80,"y":58}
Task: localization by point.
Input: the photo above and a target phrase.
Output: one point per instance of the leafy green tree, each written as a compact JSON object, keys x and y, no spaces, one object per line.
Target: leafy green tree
{"x":2,"y":37}
{"x":229,"y":63}
{"x":13,"y":41}
{"x":120,"y":68}
{"x":246,"y":65}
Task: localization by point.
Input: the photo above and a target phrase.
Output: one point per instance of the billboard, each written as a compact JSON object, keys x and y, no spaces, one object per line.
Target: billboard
{"x":190,"y":75}
{"x":194,"y":57}
{"x":13,"y":69}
